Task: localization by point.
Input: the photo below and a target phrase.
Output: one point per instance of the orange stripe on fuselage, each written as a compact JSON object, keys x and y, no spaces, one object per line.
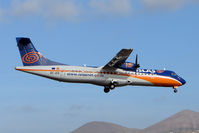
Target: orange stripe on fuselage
{"x":159,"y":81}
{"x":43,"y":70}
{"x":156,"y":80}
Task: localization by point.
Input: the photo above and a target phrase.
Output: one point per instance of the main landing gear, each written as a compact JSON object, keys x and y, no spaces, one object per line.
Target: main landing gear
{"x":108,"y":88}
{"x":175,"y":89}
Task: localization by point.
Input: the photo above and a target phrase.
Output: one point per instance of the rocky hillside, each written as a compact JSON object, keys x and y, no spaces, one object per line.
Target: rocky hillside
{"x":186,"y":121}
{"x":103,"y":127}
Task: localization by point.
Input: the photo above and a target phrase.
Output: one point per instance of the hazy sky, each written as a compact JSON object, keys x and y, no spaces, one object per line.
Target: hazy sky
{"x":165,"y":34}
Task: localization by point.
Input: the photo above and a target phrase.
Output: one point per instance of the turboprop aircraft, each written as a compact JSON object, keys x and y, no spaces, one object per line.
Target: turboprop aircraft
{"x":115,"y":73}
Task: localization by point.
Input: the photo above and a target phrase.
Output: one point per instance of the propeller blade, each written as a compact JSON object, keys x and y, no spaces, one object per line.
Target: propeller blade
{"x":136,"y":62}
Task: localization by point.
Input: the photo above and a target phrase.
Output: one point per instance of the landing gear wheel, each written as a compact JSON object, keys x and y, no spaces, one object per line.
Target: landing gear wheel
{"x":112,"y":86}
{"x":106,"y":89}
{"x":175,"y":90}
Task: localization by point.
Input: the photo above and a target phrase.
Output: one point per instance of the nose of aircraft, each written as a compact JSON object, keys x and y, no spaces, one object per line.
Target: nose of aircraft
{"x":182,"y":81}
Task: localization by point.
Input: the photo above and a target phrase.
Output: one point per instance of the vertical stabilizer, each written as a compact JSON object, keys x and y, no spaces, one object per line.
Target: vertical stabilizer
{"x":30,"y":56}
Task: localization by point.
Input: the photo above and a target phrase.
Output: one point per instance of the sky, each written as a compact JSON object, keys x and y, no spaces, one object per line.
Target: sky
{"x":164,"y":33}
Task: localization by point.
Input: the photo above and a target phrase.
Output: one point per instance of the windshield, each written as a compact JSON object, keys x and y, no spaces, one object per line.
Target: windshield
{"x":173,"y":74}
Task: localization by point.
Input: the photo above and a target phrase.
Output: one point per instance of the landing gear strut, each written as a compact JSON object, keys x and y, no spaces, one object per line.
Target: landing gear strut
{"x":175,"y":89}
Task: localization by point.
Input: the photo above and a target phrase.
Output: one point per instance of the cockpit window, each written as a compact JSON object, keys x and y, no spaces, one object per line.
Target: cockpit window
{"x":174,"y":74}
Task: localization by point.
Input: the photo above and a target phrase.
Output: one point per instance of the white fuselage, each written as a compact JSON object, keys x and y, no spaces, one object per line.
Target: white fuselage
{"x":92,"y":75}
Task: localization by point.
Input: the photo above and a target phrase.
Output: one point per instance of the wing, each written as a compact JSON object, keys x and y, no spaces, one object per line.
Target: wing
{"x":119,"y":59}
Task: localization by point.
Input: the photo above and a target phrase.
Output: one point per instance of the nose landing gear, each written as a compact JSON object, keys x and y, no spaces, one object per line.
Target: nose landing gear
{"x":175,"y":89}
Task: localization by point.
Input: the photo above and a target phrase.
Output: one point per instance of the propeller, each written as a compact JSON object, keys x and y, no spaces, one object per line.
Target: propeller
{"x":136,"y":62}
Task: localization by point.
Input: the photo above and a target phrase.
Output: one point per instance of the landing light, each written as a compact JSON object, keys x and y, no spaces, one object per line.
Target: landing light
{"x":175,"y":87}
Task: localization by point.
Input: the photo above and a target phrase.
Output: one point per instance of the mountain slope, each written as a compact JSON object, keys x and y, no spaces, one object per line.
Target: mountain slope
{"x":103,"y":127}
{"x":181,"y":122}
{"x":186,"y":121}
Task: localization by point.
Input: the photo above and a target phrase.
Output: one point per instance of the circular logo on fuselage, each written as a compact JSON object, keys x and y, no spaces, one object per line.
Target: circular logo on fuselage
{"x":129,"y":65}
{"x":31,"y":57}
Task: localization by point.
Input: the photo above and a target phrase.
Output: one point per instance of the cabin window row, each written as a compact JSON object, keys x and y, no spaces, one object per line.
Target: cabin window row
{"x":112,"y":73}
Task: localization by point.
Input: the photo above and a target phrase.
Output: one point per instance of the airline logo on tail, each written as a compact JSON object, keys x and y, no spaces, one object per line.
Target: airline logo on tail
{"x":31,"y":57}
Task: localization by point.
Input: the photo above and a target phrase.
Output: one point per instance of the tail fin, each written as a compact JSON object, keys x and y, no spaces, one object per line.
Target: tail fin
{"x":30,"y":56}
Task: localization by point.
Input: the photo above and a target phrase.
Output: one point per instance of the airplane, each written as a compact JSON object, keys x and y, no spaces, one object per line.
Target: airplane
{"x":116,"y":73}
